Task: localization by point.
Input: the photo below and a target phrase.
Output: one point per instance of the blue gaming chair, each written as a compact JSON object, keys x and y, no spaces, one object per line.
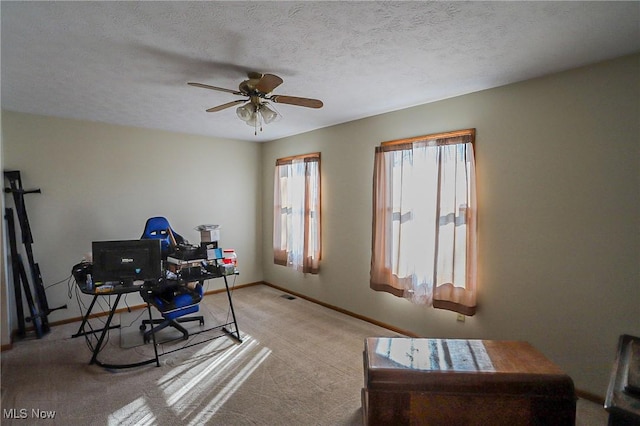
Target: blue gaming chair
{"x":159,"y":228}
{"x":172,"y":299}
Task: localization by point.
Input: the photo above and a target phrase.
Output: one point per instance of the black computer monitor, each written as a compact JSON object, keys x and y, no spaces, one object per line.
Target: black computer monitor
{"x":126,"y":261}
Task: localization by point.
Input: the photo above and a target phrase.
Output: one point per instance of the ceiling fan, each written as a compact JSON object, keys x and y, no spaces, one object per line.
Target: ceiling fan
{"x":257,"y":89}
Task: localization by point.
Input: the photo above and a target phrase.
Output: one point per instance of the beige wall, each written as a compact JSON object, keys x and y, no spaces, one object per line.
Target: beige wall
{"x":101,"y":182}
{"x":558,"y":188}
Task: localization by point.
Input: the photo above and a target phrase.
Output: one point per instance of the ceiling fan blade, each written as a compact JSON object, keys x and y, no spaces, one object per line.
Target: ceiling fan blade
{"x":227,"y":105}
{"x":292,"y":100}
{"x":268,"y":82}
{"x":220,"y":89}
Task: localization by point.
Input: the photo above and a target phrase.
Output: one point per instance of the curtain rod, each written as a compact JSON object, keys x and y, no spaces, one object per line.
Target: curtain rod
{"x":445,"y":135}
{"x":293,"y":157}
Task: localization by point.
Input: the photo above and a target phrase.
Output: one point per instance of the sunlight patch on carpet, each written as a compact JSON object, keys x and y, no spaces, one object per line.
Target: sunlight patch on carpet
{"x":197,"y":388}
{"x":137,"y":412}
{"x":229,"y":389}
{"x":182,"y":391}
{"x":195,"y":361}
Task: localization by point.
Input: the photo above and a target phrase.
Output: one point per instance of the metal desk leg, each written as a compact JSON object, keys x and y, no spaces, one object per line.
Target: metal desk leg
{"x":233,"y":313}
{"x":155,"y":359}
{"x":153,"y":335}
{"x":85,"y":319}
{"x":96,"y":350}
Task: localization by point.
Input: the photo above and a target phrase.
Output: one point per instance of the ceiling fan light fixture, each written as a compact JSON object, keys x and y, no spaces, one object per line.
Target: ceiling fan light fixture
{"x":246,"y":112}
{"x":253,"y":120}
{"x":268,"y":115}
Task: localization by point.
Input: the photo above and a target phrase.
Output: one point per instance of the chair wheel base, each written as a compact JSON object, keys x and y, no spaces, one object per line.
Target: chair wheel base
{"x":175,"y":323}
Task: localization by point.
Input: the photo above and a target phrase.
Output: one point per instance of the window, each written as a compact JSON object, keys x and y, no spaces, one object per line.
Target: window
{"x":424,"y":221}
{"x":296,"y":216}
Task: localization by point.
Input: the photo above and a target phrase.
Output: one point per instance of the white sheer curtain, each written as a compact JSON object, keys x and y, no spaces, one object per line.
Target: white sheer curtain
{"x":424,"y":225}
{"x":296,"y":221}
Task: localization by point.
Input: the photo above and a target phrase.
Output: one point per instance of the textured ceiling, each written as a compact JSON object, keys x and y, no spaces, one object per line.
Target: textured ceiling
{"x":128,"y":62}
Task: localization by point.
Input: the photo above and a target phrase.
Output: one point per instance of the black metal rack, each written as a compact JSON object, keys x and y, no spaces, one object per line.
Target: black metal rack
{"x":38,"y":306}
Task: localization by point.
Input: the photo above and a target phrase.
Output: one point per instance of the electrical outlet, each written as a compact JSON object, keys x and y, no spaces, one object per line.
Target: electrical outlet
{"x":461,"y":317}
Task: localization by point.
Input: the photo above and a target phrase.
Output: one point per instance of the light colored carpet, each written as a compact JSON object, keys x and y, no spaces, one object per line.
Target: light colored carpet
{"x":298,"y":364}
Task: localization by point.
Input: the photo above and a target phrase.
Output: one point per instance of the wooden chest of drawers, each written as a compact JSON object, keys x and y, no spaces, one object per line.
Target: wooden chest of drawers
{"x":463,"y":382}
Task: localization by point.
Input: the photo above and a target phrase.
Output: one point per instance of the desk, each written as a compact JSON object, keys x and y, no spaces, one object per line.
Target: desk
{"x":118,"y":291}
{"x":470,"y":382}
